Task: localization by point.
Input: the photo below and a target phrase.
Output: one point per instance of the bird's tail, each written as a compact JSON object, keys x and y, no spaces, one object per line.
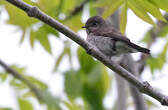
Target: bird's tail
{"x":140,"y":49}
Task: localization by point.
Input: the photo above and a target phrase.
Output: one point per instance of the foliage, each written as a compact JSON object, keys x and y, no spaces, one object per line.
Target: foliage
{"x":91,"y":81}
{"x":141,"y":8}
{"x":25,"y":91}
{"x":158,"y":61}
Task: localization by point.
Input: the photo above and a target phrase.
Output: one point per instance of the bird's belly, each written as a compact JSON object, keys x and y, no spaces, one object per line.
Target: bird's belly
{"x":104,"y":44}
{"x":110,"y":47}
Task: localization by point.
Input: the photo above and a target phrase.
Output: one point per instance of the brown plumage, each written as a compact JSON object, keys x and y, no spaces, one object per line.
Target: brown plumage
{"x":108,"y":40}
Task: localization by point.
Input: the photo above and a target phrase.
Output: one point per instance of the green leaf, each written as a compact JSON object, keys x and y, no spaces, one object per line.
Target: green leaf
{"x":17,"y":84}
{"x":94,"y":76}
{"x":147,"y":37}
{"x":139,"y":11}
{"x":86,"y":61}
{"x":50,"y":30}
{"x":161,"y":4}
{"x":123,"y":18}
{"x":28,"y":94}
{"x":59,"y":7}
{"x":105,"y":80}
{"x":93,"y":98}
{"x":74,"y":23}
{"x":72,"y":105}
{"x":45,"y":97}
{"x":24,"y":104}
{"x":73,"y":84}
{"x":37,"y":82}
{"x":152,"y":64}
{"x":163,"y":31}
{"x":60,"y":57}
{"x":50,"y":7}
{"x":68,"y":5}
{"x":96,"y":85}
{"x":58,"y":61}
{"x":92,"y":9}
{"x":103,"y":3}
{"x":3,"y":76}
{"x":41,"y":35}
{"x":151,"y":8}
{"x":20,"y":85}
{"x":44,"y":42}
{"x":51,"y":101}
{"x":2,"y":2}
{"x":158,"y":62}
{"x":32,"y":38}
{"x":18,"y":17}
{"x":115,"y":4}
{"x":98,"y":78}
{"x":6,"y":109}
{"x":30,"y":2}
{"x":23,"y":36}
{"x":19,"y":69}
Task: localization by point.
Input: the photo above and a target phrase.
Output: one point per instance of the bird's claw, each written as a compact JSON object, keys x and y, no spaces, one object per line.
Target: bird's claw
{"x":89,"y":50}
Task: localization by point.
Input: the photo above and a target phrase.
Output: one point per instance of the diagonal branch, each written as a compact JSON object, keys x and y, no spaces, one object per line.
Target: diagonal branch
{"x":20,"y":77}
{"x":39,"y":93}
{"x":144,"y":87}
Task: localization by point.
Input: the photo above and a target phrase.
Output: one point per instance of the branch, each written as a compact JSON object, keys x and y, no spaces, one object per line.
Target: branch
{"x":154,"y":31}
{"x":130,"y":65}
{"x":144,"y":87}
{"x":77,"y":9}
{"x":122,"y":93}
{"x":42,"y":95}
{"x":121,"y":83}
{"x":17,"y":75}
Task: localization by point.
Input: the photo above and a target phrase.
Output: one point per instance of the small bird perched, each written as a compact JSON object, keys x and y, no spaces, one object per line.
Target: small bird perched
{"x":108,"y":40}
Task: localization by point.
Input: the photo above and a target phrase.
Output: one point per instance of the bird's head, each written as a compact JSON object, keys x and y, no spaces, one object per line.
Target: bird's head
{"x":94,"y":24}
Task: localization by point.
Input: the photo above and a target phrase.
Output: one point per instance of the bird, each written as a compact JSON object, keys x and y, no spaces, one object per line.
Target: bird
{"x":108,"y":39}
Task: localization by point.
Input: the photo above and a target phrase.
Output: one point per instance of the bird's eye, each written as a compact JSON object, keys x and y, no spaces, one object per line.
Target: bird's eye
{"x":95,"y":24}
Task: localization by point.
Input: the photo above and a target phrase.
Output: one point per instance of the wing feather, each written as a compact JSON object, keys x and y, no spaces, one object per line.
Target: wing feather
{"x":114,"y":34}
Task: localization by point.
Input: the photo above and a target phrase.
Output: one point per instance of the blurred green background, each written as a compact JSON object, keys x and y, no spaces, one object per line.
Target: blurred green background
{"x":86,"y":84}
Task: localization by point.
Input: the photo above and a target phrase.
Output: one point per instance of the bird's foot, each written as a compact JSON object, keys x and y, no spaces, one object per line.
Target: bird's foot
{"x":89,"y":50}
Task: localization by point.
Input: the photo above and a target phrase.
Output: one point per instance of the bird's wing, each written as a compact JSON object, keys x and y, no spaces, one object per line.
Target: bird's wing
{"x":115,"y":35}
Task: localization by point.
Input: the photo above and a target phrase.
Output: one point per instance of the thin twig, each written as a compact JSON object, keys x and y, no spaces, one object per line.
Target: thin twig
{"x":154,"y":31}
{"x":22,"y":78}
{"x":39,"y":93}
{"x":144,"y":87}
{"x":77,"y":9}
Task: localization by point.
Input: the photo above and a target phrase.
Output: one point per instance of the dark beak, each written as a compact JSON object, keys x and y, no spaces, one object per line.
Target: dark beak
{"x":83,"y":26}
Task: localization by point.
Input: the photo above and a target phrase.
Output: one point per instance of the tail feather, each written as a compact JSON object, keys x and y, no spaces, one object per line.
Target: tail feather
{"x":140,"y":49}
